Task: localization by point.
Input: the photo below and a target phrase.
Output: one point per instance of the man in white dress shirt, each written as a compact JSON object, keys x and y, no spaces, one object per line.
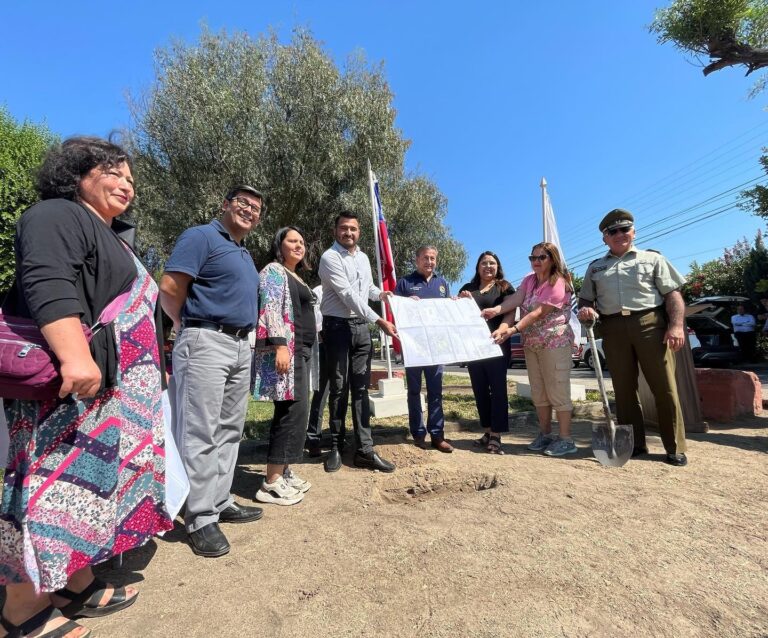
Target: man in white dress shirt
{"x":345,"y":273}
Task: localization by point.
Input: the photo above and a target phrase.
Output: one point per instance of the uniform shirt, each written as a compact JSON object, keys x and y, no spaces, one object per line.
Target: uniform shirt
{"x":743,"y":323}
{"x":638,"y":280}
{"x":416,"y":285}
{"x":347,"y":284}
{"x":225,"y":284}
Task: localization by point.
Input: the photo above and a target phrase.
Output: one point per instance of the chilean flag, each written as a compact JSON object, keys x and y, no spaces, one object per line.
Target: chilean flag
{"x":388,"y":277}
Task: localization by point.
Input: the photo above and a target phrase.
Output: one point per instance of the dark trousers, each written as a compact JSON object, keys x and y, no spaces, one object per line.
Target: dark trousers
{"x":433,"y":375}
{"x":317,"y":407}
{"x":747,"y":344}
{"x":348,"y":353}
{"x":289,"y":422}
{"x":638,"y":340}
{"x":489,"y":383}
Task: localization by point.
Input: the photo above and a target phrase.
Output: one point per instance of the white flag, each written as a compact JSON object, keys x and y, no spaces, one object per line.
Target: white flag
{"x":551,"y":235}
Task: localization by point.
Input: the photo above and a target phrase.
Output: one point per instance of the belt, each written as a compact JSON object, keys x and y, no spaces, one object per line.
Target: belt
{"x":241,"y":333}
{"x":352,"y":320}
{"x":630,"y":313}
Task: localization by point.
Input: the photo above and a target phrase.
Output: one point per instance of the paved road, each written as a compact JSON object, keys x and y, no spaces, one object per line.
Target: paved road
{"x":586,"y":377}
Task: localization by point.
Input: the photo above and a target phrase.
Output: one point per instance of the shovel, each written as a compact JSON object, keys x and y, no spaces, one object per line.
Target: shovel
{"x":612,"y":444}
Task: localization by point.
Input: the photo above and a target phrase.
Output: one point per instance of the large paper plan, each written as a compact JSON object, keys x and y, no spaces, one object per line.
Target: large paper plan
{"x":440,"y":331}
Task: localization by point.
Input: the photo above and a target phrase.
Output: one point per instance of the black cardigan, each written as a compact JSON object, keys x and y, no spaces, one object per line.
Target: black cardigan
{"x":69,"y":263}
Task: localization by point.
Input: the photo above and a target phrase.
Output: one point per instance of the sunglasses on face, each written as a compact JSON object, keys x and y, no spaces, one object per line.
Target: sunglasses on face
{"x":623,"y":231}
{"x":533,"y":258}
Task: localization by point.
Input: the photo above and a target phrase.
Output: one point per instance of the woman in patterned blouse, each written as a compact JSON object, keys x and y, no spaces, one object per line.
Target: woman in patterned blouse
{"x":544,"y":299}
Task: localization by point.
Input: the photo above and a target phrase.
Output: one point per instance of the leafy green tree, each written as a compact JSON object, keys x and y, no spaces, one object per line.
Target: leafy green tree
{"x":284,"y":118}
{"x":22,"y":147}
{"x":756,"y":270}
{"x":728,"y":32}
{"x":723,"y":276}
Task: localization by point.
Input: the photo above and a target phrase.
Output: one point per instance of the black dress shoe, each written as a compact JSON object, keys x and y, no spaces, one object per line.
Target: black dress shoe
{"x":209,"y":541}
{"x":373,"y":461}
{"x":679,"y":460}
{"x":639,"y":451}
{"x":332,"y":462}
{"x":236,"y":513}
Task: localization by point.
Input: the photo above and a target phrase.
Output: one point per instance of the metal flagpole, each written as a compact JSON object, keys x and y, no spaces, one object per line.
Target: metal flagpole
{"x":376,"y":240}
{"x":543,"y":209}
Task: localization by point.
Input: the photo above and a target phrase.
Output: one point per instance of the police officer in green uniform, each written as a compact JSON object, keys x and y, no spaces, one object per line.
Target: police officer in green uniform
{"x":641,"y":312}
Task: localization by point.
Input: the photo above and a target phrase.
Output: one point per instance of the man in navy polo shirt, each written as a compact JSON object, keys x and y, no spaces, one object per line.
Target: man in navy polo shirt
{"x":210,"y":290}
{"x":423,"y":283}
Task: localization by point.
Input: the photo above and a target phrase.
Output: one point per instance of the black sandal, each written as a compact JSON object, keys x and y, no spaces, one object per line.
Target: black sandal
{"x":494,"y":445}
{"x":37,"y":621}
{"x":86,"y":603}
{"x":483,"y":440}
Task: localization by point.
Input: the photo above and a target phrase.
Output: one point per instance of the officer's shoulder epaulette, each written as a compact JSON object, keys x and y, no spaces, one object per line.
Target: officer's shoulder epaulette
{"x":594,"y":261}
{"x":652,"y":250}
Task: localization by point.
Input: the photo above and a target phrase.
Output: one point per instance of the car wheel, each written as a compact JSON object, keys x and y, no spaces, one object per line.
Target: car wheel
{"x":588,"y":360}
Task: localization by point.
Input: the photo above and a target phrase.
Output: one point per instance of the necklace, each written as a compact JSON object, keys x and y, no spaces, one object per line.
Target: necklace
{"x":488,"y":287}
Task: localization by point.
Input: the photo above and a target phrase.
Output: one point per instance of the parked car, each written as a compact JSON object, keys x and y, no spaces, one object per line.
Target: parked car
{"x":518,"y":356}
{"x":586,"y":356}
{"x":710,"y":319}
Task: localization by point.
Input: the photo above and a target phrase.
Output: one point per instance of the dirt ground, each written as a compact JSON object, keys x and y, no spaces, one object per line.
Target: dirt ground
{"x":469,"y":544}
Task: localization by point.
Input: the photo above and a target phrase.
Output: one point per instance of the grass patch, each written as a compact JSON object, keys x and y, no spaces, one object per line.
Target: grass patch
{"x":594,"y":395}
{"x":456,"y":407}
{"x":456,"y":379}
{"x":258,"y":419}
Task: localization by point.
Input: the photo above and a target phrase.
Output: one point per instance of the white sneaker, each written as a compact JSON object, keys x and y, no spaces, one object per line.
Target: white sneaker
{"x":279,"y":493}
{"x":296,"y":482}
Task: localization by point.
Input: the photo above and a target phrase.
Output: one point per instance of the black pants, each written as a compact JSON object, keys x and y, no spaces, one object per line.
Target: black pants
{"x":289,"y":422}
{"x":319,"y":397}
{"x":348,"y":353}
{"x":489,"y":383}
{"x":747,"y":344}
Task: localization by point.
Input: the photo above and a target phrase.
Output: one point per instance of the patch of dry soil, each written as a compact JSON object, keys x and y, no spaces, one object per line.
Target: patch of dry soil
{"x":468,"y":544}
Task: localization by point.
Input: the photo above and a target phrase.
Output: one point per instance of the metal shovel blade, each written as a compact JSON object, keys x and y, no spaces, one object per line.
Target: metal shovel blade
{"x":612,"y":444}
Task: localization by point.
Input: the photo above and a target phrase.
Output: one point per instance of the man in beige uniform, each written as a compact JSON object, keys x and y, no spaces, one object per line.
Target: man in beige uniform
{"x":637,"y":293}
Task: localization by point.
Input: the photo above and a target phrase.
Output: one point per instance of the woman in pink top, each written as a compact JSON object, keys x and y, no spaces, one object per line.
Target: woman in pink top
{"x":544,"y":298}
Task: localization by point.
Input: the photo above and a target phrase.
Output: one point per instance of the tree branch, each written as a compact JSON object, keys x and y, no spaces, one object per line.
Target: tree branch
{"x":726,"y":52}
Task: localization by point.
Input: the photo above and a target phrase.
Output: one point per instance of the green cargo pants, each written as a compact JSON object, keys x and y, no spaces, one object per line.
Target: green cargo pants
{"x":638,"y":338}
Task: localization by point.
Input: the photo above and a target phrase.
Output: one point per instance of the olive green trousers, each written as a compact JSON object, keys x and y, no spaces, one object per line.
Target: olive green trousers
{"x":638,"y":339}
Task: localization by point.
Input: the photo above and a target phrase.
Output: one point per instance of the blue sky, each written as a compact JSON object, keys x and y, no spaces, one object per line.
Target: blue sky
{"x":493,"y":95}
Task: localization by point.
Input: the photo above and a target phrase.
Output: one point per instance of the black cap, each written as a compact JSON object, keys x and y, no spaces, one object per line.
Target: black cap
{"x":617,"y":218}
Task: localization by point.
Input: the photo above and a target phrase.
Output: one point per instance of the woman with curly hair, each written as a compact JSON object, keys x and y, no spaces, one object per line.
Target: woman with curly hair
{"x":489,"y":376}
{"x":544,"y":298}
{"x":84,"y":477}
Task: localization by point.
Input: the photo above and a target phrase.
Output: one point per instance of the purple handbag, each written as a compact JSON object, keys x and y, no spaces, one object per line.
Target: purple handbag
{"x":29,"y":369}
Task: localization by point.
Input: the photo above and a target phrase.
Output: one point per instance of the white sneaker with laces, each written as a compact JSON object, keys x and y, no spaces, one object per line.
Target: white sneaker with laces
{"x":279,"y":493}
{"x":296,"y":482}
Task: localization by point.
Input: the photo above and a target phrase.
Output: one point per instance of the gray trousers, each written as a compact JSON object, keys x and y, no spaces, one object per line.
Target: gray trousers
{"x":211,"y":373}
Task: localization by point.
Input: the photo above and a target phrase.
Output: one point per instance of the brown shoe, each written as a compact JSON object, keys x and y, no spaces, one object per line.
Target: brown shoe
{"x":420,"y":442}
{"x":442,"y":445}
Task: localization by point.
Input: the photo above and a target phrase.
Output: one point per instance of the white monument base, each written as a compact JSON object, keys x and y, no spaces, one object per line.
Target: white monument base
{"x":391,"y":399}
{"x":578,"y":392}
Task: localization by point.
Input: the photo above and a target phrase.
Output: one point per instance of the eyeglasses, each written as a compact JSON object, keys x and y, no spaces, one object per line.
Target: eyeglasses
{"x":624,"y":230}
{"x":244,"y":204}
{"x":533,"y":258}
